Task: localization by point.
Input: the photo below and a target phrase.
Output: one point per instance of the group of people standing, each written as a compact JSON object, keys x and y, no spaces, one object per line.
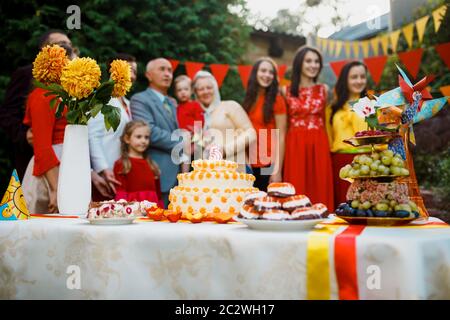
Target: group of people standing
{"x":279,"y":134}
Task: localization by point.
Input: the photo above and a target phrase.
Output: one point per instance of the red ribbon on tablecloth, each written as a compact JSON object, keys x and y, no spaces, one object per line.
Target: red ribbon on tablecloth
{"x":345,"y":262}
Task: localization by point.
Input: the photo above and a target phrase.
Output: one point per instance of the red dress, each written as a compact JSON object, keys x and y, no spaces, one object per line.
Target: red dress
{"x":139,"y":184}
{"x":307,"y":162}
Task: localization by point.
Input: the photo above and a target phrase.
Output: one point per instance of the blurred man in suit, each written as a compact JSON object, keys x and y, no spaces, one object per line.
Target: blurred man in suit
{"x":156,"y":108}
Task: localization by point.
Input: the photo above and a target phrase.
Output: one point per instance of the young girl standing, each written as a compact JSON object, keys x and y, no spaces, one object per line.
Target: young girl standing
{"x":266,"y":109}
{"x":307,"y":160}
{"x":138,"y":175}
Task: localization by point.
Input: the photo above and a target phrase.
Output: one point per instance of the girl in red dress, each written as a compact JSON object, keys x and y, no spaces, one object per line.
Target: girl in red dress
{"x":266,"y":109}
{"x":307,"y":159}
{"x":138,"y":175}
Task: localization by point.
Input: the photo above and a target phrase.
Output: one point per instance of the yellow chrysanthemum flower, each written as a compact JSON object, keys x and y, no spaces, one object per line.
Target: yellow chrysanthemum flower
{"x":80,"y":77}
{"x":49,"y":63}
{"x":121,"y":75}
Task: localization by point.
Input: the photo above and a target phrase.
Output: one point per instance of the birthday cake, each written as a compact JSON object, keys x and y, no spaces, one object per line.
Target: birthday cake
{"x":212,"y":188}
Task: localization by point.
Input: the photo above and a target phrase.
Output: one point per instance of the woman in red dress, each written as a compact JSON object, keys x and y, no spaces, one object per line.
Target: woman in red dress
{"x":307,"y":158}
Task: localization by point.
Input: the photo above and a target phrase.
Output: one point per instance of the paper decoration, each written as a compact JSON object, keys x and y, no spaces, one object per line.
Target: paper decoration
{"x":445,"y":91}
{"x":244,"y":72}
{"x":392,"y":97}
{"x":338,"y":48}
{"x":337,"y":66}
{"x":331,"y":46}
{"x":430,"y":108}
{"x":192,"y":68}
{"x":13,"y":205}
{"x":411,"y":59}
{"x":394,"y":35}
{"x":420,"y":26}
{"x":324,"y":46}
{"x":174,"y":63}
{"x":408,"y":32}
{"x":281,"y":71}
{"x":385,"y":44}
{"x":376,"y":67}
{"x":219,"y":72}
{"x":375,"y":42}
{"x":438,"y":15}
{"x":355,"y":46}
{"x":365,"y":48}
{"x":347,"y":49}
{"x":444,"y":52}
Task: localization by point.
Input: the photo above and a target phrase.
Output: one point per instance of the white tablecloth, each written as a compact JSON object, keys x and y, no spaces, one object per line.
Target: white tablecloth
{"x":159,"y":260}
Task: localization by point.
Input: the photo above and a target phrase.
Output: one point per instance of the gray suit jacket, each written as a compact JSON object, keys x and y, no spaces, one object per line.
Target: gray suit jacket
{"x":147,"y":106}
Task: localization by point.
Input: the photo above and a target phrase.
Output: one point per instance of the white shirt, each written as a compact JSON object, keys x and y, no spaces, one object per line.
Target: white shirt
{"x":104,"y":146}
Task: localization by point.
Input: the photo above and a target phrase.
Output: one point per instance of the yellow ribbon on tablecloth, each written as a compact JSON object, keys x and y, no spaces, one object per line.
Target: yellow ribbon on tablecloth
{"x":318,"y":263}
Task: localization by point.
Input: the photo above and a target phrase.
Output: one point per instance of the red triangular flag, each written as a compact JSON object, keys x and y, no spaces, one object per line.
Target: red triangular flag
{"x":337,"y":66}
{"x":281,"y":71}
{"x":244,"y":72}
{"x":192,"y":68}
{"x":376,"y":67}
{"x":174,"y":63}
{"x":444,"y":52}
{"x":411,"y":59}
{"x":219,"y":72}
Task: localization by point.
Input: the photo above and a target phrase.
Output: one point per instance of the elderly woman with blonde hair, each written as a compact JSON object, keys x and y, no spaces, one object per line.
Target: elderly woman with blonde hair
{"x":225,"y":122}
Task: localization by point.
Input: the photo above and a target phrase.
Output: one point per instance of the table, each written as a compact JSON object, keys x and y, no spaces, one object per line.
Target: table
{"x":48,"y":258}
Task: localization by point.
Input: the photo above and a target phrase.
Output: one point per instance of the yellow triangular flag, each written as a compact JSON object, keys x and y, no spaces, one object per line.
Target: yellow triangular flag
{"x":375,"y":42}
{"x":408,"y":32}
{"x":13,"y":205}
{"x":385,"y":43}
{"x":355,"y":45}
{"x":331,"y":45}
{"x":420,"y":26}
{"x":438,"y":15}
{"x":338,"y":48}
{"x":324,"y":46}
{"x":347,"y":49}
{"x":394,"y":35}
{"x":365,"y":48}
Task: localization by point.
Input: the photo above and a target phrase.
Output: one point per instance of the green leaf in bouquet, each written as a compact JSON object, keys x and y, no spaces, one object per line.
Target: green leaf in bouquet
{"x":96,"y":109}
{"x":103,"y":93}
{"x":112,"y":117}
{"x":53,"y":102}
{"x":372,"y":121}
{"x":72,"y":116}
{"x":39,"y":84}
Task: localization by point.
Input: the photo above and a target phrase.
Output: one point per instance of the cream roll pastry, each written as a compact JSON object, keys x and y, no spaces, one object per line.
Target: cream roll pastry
{"x":281,"y":189}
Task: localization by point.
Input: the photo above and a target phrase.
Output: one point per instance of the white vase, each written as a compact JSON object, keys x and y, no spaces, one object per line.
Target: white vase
{"x":74,"y":181}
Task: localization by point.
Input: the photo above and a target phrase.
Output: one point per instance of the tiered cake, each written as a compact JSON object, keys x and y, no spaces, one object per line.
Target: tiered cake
{"x":213,"y":187}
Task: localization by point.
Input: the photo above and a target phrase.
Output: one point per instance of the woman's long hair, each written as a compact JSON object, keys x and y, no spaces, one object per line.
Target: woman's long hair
{"x":124,"y":148}
{"x":297,"y":66}
{"x":253,"y":88}
{"x":341,"y":88}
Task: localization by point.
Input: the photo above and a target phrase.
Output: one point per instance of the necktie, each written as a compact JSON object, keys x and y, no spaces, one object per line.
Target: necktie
{"x":166,"y":105}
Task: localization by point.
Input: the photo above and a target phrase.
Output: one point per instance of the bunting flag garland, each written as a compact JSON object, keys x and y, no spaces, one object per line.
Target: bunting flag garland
{"x":411,"y":60}
{"x":365,"y":48}
{"x":375,"y":42}
{"x":331,"y":46}
{"x":420,"y":27}
{"x":438,"y":15}
{"x":244,"y":72}
{"x":394,"y":39}
{"x":376,"y":67}
{"x":281,"y":71}
{"x":444,"y":51}
{"x":408,"y":32}
{"x":385,"y":44}
{"x":338,"y":48}
{"x":355,"y":49}
{"x":192,"y":68}
{"x":337,"y":66}
{"x":347,"y":49}
{"x":219,"y":71}
{"x":174,"y":63}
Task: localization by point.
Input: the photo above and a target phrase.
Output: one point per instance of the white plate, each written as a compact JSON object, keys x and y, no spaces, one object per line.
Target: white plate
{"x":114,"y":221}
{"x":286,"y":225}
